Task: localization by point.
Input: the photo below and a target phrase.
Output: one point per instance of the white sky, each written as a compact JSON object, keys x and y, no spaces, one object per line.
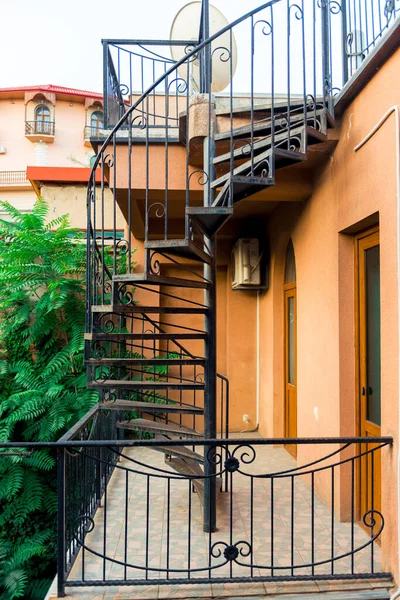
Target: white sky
{"x":59,"y":41}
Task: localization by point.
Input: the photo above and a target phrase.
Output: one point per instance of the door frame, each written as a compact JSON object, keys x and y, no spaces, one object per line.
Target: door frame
{"x":289,"y":291}
{"x":360,"y":368}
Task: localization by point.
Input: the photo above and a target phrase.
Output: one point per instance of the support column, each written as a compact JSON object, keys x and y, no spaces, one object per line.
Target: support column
{"x":210,"y":319}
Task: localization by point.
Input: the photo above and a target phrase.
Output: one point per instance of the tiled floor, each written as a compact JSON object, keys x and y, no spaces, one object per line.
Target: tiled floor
{"x":164,"y":531}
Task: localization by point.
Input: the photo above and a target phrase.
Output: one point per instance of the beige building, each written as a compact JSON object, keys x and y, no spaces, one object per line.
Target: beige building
{"x":45,"y":125}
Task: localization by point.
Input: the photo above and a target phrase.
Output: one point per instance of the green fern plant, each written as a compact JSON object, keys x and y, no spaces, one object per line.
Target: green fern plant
{"x":42,"y":384}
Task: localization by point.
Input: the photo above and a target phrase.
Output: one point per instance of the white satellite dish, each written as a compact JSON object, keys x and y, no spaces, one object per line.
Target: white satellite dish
{"x":186,"y":26}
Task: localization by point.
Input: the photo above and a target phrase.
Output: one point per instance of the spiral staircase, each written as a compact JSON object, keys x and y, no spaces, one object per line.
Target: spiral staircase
{"x":151,"y":332}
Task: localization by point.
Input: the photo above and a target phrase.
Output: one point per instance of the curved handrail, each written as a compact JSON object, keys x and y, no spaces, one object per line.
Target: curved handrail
{"x":165,"y":75}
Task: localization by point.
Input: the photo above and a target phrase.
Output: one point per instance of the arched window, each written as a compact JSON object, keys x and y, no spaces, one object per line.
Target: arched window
{"x":290,"y":266}
{"x":42,"y":119}
{"x":96,"y":121}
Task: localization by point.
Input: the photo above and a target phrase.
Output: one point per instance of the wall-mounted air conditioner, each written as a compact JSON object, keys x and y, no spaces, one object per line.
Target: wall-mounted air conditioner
{"x":246,"y":258}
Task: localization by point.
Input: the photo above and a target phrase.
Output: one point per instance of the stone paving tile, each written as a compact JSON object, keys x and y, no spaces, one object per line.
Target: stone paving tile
{"x":157,"y":535}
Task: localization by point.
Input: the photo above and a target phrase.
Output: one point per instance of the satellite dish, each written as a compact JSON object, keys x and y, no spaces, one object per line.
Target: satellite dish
{"x":185,"y":26}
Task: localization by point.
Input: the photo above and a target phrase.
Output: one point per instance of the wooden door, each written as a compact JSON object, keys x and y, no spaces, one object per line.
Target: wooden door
{"x":369,"y":367}
{"x":290,"y":366}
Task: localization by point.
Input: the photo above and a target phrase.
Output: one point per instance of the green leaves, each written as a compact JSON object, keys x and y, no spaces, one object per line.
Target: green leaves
{"x":42,"y":384}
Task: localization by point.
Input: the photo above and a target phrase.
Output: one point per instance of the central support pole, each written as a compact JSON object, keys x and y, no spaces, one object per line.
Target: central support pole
{"x":210,"y":323}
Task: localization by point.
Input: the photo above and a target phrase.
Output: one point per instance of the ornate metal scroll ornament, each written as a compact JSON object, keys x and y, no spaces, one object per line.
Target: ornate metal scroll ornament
{"x":231,"y":552}
{"x":105,"y":324}
{"x":123,"y":89}
{"x":225,"y":54}
{"x":82,"y":526}
{"x":266,"y":26}
{"x":298,"y":11}
{"x":265,"y":168}
{"x":371,"y":520}
{"x":181,"y":85}
{"x":125,"y":296}
{"x":188,"y":49}
{"x":109,"y":396}
{"x":98,"y":350}
{"x":215,"y":453}
{"x":202,"y":178}
{"x":154,"y":264}
{"x":141,"y":122}
{"x":246,"y":452}
{"x":245,"y":148}
{"x":160,"y":209}
{"x":122,"y":246}
{"x":333,"y":5}
{"x":108,"y":160}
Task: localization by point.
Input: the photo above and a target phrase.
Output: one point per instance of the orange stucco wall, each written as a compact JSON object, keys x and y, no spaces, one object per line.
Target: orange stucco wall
{"x":348,"y":191}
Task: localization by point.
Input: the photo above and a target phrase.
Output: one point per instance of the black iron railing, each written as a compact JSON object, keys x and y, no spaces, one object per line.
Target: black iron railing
{"x":130,"y":67}
{"x":279,"y":520}
{"x":13,"y":177}
{"x":39,"y":127}
{"x":364,"y":24}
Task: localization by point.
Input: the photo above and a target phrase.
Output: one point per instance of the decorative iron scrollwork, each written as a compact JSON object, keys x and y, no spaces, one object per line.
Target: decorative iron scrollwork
{"x":267,"y":27}
{"x":202,"y":179}
{"x":225,"y":55}
{"x":231,"y":551}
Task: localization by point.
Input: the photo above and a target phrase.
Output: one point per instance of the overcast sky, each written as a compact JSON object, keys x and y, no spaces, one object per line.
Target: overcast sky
{"x":59,"y":41}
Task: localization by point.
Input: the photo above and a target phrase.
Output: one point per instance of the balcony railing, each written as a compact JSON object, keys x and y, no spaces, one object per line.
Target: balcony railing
{"x":352,"y":30}
{"x":39,"y":127}
{"x":92,"y":132}
{"x":13,"y":178}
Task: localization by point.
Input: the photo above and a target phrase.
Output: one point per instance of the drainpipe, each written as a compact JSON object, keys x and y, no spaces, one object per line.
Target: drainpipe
{"x":394,"y":109}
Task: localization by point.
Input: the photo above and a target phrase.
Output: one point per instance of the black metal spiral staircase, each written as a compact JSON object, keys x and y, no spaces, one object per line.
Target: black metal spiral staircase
{"x":155,"y":360}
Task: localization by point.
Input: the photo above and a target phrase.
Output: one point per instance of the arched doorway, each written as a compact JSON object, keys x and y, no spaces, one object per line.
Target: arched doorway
{"x":290,"y":346}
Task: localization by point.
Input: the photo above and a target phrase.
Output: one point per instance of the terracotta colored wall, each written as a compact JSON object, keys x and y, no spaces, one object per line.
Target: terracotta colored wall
{"x":348,"y":190}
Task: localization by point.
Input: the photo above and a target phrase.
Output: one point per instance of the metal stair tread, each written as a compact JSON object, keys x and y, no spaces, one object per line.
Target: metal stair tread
{"x":150,"y":278}
{"x":180,"y":247}
{"x":186,"y":467}
{"x":153,"y":407}
{"x":210,"y":218}
{"x":265,"y":125}
{"x":133,"y":308}
{"x":266,"y":141}
{"x":146,"y":385}
{"x":278,"y":153}
{"x":145,"y":336}
{"x":145,"y":361}
{"x":279,"y":106}
{"x":182,"y":451}
{"x":154,"y":426}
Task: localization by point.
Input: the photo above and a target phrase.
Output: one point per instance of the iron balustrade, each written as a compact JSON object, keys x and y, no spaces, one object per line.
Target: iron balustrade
{"x":130,"y":67}
{"x":260,"y":549}
{"x":364,"y":25}
{"x":39,"y":127}
{"x":13,"y":177}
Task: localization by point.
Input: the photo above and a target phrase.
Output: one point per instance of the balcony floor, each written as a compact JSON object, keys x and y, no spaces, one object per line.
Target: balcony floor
{"x":269,"y":459}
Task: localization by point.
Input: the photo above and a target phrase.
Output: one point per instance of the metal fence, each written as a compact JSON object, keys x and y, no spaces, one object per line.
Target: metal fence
{"x":127,"y":518}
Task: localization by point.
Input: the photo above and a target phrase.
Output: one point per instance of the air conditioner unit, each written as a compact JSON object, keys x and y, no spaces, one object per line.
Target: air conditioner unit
{"x":246,"y":258}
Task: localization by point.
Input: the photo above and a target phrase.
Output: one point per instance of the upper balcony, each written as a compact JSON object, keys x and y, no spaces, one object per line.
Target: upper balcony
{"x":40,"y":130}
